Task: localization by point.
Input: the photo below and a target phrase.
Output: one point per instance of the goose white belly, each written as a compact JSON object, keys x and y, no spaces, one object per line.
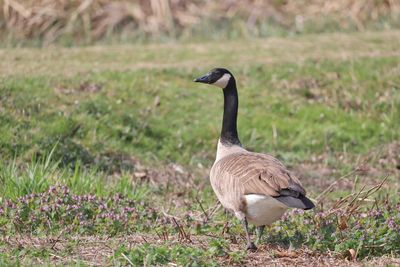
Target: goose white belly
{"x":263,"y":210}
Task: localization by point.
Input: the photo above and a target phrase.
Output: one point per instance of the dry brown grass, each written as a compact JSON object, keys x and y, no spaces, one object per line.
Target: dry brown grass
{"x":98,"y":250}
{"x":94,"y":19}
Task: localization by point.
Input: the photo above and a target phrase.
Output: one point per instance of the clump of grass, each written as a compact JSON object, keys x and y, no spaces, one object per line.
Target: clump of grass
{"x":368,"y":231}
{"x":57,"y":209}
{"x":179,"y":254}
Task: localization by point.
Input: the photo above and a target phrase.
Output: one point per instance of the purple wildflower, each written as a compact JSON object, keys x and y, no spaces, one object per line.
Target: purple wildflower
{"x":52,"y":189}
{"x":44,"y":208}
{"x":128,"y":209}
{"x":10,"y":204}
{"x":65,"y":190}
{"x":375,"y":213}
{"x":392,"y":224}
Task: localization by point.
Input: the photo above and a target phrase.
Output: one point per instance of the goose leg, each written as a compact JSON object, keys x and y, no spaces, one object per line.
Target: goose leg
{"x":259,"y":230}
{"x":250,"y":245}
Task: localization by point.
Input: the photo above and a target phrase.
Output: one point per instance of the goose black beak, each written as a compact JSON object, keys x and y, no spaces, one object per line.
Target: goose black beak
{"x":203,"y":79}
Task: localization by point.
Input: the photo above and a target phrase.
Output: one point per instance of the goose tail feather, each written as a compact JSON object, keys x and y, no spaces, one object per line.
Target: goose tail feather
{"x":301,"y":202}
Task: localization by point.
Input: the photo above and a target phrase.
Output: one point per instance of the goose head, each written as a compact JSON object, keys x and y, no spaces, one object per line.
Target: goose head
{"x":219,"y":77}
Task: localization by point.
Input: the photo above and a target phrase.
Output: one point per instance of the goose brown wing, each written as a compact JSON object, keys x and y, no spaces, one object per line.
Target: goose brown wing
{"x":262,"y":174}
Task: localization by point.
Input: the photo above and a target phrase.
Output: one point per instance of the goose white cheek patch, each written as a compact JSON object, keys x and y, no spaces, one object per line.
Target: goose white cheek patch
{"x":223,"y":81}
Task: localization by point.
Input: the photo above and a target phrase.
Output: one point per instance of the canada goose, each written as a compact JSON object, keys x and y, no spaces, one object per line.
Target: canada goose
{"x":256,"y":187}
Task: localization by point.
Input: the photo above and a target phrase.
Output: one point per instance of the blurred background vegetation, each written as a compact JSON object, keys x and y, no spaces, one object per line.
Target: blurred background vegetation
{"x":69,"y":22}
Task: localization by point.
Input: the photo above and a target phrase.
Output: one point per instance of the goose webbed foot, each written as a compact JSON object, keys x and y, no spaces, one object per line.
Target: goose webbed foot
{"x":250,"y":245}
{"x":259,"y":230}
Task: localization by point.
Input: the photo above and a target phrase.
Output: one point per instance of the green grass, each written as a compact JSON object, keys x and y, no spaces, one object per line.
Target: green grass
{"x":131,"y":138}
{"x":311,"y":113}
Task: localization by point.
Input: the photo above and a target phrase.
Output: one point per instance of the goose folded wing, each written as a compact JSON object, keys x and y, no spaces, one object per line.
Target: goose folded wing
{"x":264,"y":175}
{"x":272,"y":181}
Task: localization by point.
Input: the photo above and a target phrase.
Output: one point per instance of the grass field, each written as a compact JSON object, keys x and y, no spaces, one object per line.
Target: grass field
{"x":105,"y":151}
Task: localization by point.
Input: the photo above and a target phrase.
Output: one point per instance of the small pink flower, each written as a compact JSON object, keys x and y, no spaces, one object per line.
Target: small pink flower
{"x":392,"y":224}
{"x":44,"y":208}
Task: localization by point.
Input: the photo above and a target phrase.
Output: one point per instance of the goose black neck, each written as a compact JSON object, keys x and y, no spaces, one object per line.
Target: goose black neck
{"x":229,"y":134}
